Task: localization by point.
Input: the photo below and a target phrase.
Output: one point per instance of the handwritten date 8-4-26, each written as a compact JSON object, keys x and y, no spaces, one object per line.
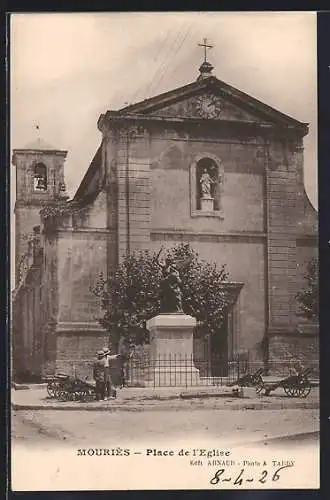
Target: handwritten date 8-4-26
{"x":263,"y":477}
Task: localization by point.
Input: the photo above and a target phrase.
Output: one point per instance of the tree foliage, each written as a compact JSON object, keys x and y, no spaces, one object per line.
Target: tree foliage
{"x":308,"y":298}
{"x":130,"y":294}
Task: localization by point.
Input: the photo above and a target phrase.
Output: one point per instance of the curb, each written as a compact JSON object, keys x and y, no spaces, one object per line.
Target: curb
{"x":26,"y":387}
{"x":298,"y":405}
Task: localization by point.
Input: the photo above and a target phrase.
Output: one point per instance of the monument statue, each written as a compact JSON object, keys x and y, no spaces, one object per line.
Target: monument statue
{"x":170,"y":287}
{"x":206,"y":182}
{"x":171,"y":333}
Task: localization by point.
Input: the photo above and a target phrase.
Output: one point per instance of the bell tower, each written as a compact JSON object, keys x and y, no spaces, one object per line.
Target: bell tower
{"x":39,"y":180}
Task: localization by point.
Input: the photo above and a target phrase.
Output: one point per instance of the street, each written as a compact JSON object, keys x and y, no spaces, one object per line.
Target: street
{"x":38,"y":427}
{"x":141,"y":449}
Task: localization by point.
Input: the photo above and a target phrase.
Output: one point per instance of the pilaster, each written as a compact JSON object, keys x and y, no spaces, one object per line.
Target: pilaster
{"x":282,"y":226}
{"x":133,"y":190}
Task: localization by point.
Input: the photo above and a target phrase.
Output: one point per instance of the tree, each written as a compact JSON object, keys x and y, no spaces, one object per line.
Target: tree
{"x":308,"y":299}
{"x":130,"y":294}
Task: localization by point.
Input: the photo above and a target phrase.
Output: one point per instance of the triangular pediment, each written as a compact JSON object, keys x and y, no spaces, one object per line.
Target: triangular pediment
{"x":212,"y":99}
{"x":206,"y":105}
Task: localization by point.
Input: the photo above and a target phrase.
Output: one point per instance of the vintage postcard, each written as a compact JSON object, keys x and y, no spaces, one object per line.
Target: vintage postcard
{"x":164,"y":251}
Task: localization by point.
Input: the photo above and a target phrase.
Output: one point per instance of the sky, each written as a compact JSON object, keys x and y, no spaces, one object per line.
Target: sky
{"x":67,"y":69}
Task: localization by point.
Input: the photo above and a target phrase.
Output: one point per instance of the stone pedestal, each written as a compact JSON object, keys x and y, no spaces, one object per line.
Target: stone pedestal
{"x":171,"y":339}
{"x":207,"y":204}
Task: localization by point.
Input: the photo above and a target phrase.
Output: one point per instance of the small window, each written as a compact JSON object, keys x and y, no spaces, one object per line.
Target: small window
{"x":40,"y":177}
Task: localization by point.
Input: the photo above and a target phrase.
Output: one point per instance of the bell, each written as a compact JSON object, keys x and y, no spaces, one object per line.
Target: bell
{"x":41,"y":184}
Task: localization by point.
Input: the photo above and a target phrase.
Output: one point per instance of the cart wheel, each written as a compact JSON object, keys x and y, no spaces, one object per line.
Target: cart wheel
{"x":76,"y":395}
{"x":290,"y":391}
{"x":259,"y":387}
{"x":70,"y":396}
{"x":67,"y":396}
{"x":305,"y":390}
{"x":294,"y":391}
{"x":83,"y":396}
{"x":299,"y":392}
{"x":51,"y":389}
{"x":57,"y":391}
{"x":62,"y":395}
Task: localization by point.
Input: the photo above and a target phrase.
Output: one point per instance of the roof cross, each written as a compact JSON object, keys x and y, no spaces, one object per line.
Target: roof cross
{"x":206,"y":46}
{"x":37,"y":129}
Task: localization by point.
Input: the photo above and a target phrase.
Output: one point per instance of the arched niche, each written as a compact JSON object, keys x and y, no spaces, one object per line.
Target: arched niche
{"x":40,"y":177}
{"x":206,"y":186}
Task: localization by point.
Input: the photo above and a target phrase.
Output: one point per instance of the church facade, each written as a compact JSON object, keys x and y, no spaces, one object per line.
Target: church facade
{"x":205,"y":164}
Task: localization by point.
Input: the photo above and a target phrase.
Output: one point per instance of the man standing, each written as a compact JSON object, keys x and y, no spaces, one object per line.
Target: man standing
{"x":99,"y":376}
{"x":110,"y":391}
{"x":125,"y":350}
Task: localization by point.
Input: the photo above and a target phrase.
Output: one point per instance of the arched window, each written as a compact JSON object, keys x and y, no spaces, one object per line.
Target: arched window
{"x":206,"y":186}
{"x":40,"y":177}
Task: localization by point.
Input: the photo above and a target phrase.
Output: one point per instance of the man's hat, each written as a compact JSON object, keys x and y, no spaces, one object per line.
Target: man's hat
{"x":106,"y":350}
{"x":100,"y":353}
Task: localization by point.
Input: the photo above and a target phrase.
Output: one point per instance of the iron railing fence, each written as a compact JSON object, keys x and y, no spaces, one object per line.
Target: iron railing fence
{"x":181,"y":370}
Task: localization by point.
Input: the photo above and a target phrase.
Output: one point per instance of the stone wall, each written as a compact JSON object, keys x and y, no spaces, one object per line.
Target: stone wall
{"x":242,"y":191}
{"x":76,"y":350}
{"x":286,"y":210}
{"x":82,"y":256}
{"x":292,"y":241}
{"x":26,"y":218}
{"x":282,"y":226}
{"x":284,"y":349}
{"x":28,"y":342}
{"x":132,"y":190}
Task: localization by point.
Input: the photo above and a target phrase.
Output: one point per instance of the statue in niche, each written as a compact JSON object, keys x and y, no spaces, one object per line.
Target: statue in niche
{"x":170,"y":287}
{"x":206,"y":182}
